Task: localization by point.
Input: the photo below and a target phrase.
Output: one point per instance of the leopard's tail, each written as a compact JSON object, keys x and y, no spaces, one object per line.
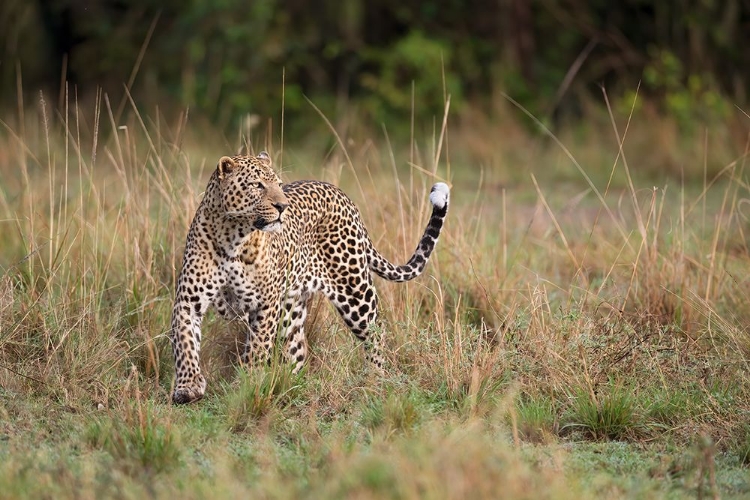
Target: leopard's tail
{"x":439,"y":196}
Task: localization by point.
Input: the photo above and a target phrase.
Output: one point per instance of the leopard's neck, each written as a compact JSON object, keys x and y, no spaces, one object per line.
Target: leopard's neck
{"x":230,"y":235}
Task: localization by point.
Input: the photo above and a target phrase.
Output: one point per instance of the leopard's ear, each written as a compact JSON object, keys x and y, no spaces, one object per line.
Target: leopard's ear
{"x":226,"y":165}
{"x":263,"y":156}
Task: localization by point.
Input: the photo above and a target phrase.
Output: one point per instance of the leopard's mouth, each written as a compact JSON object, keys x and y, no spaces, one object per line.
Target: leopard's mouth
{"x":273,"y":226}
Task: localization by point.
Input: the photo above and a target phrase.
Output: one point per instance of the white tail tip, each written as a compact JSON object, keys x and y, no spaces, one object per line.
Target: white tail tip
{"x":439,"y":194}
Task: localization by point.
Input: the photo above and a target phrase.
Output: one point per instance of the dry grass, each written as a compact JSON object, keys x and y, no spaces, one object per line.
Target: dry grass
{"x":554,"y":315}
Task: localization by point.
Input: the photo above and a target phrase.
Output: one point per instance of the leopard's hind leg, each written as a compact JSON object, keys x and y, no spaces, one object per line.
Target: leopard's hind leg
{"x":357,"y":303}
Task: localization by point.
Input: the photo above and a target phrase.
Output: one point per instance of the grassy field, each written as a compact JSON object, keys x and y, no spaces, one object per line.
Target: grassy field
{"x":581,"y":332}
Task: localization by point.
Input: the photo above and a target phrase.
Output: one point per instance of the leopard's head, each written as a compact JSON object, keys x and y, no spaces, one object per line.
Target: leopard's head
{"x":249,"y":189}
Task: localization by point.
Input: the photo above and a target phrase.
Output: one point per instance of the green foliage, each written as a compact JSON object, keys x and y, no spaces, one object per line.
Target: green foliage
{"x":226,"y":59}
{"x":225,"y":53}
{"x":690,"y":97}
{"x":416,"y":60}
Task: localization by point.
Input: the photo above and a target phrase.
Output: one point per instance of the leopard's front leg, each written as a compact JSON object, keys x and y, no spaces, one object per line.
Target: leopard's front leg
{"x":196,"y":288}
{"x":262,"y":329}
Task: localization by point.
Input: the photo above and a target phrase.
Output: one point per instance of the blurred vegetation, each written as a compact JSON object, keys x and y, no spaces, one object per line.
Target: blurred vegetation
{"x":225,"y":58}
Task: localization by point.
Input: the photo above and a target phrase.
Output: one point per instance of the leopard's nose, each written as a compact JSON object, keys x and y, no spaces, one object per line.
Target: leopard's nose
{"x":280,"y":206}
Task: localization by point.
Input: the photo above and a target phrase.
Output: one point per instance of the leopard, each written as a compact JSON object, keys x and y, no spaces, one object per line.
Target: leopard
{"x":257,"y":251}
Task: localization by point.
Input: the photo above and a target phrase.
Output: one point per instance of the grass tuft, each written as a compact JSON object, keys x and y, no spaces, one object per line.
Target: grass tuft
{"x":743,"y":445}
{"x":610,"y":414}
{"x":536,"y":419}
{"x":139,"y":435}
{"x":394,"y":413}
{"x":258,"y":393}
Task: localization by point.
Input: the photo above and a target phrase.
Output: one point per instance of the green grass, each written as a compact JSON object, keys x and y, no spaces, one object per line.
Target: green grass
{"x":258,"y":394}
{"x":535,"y":419}
{"x":570,"y":338}
{"x":610,"y":414}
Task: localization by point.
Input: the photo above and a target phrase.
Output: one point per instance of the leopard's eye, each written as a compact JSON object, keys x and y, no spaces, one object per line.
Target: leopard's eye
{"x":260,"y":185}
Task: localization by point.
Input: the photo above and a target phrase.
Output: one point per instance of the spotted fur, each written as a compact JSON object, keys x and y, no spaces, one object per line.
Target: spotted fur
{"x":258,"y":250}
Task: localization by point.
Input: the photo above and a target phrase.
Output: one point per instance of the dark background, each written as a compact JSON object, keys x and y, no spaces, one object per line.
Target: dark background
{"x":225,"y":58}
